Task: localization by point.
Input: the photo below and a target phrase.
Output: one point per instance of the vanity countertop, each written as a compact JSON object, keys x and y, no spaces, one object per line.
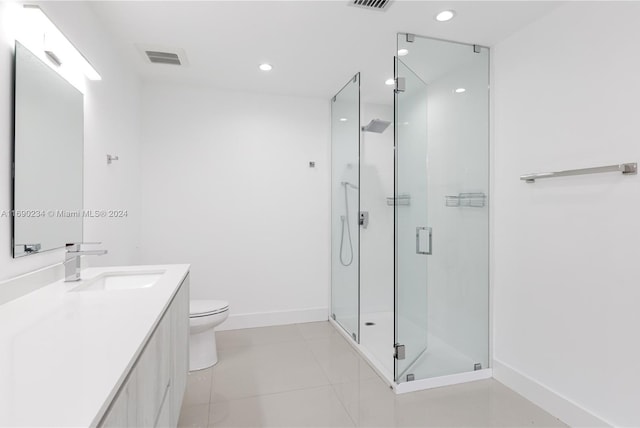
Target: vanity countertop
{"x":64,"y":354}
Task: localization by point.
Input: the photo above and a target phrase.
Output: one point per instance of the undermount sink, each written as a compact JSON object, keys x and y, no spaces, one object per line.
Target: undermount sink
{"x":112,"y":281}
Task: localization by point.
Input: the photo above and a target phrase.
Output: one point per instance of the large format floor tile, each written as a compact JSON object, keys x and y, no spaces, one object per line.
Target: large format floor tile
{"x":485,"y":403}
{"x":316,"y":330}
{"x":198,"y":387}
{"x":258,"y":336}
{"x":307,"y":375}
{"x":314,"y":407}
{"x":195,"y":416}
{"x":339,"y":360}
{"x":265,"y":369}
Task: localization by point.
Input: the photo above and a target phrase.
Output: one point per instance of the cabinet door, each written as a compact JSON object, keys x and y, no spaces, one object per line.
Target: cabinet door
{"x":153,"y":373}
{"x":117,"y":415}
{"x":164,"y":418}
{"x":123,"y":411}
{"x":180,"y":349}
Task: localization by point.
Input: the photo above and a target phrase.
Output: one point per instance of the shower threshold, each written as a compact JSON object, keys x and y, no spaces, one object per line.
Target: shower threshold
{"x":418,"y":384}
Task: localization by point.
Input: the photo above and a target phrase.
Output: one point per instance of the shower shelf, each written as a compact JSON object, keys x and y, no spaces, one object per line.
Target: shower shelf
{"x":401,"y":199}
{"x":474,"y":200}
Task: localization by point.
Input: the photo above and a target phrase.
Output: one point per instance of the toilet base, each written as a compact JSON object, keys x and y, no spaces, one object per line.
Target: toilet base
{"x":203,"y":352}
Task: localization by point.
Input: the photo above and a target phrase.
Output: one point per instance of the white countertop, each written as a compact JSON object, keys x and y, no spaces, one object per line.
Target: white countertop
{"x":63,"y":355}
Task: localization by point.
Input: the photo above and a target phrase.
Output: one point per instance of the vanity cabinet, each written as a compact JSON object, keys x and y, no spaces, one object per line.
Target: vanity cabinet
{"x":152,"y":393}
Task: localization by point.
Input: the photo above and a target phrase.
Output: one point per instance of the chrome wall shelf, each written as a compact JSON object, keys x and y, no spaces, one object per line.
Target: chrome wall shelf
{"x":625,"y":168}
{"x":475,"y":200}
{"x":401,"y":199}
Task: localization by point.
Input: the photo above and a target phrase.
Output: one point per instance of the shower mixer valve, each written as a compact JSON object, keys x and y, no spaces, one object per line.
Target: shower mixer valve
{"x":364,"y":219}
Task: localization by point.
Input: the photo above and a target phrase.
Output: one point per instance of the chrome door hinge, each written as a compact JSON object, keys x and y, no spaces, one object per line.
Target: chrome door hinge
{"x":477,"y":49}
{"x":400,"y":84}
{"x":411,"y":377}
{"x":400,"y":352}
{"x":411,"y":38}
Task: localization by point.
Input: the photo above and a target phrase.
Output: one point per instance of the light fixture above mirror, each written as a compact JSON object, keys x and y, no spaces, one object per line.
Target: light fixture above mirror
{"x":40,"y":35}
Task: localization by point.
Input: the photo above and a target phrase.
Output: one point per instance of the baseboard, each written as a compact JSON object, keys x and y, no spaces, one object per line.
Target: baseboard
{"x":560,"y":407}
{"x":266,"y":319}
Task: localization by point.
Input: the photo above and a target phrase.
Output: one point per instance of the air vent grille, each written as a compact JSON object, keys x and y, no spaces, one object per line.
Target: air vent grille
{"x":157,"y":57}
{"x":372,"y":4}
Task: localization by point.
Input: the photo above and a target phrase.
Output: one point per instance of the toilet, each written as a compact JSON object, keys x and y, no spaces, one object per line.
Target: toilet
{"x":204,"y":316}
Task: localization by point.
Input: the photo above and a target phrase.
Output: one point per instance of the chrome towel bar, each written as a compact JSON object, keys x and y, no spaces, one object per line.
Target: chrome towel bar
{"x":625,"y":168}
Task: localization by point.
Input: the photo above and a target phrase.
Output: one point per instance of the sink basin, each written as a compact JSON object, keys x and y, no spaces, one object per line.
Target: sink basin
{"x":112,"y":281}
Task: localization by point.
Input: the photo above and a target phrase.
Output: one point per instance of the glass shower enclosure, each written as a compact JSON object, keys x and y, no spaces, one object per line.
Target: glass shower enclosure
{"x":345,"y":207}
{"x":442,"y":236}
{"x":441,"y":217}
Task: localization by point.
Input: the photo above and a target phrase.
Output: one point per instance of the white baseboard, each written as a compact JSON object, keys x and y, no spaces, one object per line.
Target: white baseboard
{"x":266,"y":319}
{"x":560,"y":407}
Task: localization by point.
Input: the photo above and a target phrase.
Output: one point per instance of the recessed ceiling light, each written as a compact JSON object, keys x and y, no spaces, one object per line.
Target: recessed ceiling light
{"x":265,"y":67}
{"x":459,"y":90}
{"x":445,"y":15}
{"x":343,"y":119}
{"x":403,"y":52}
{"x":390,"y":82}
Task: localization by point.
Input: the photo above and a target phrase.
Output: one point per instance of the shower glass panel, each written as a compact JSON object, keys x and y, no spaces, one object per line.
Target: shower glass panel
{"x":442,"y":163}
{"x":411,"y":232}
{"x":345,"y":207}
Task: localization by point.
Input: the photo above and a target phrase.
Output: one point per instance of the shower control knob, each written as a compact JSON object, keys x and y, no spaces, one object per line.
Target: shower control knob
{"x":364,"y":219}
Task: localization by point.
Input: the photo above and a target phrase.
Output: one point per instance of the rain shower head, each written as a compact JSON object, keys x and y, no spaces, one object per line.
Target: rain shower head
{"x":376,"y":125}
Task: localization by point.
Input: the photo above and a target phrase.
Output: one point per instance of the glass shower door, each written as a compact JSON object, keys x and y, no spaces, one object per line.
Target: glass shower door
{"x":441,"y":215}
{"x":345,"y":207}
{"x":412,"y":232}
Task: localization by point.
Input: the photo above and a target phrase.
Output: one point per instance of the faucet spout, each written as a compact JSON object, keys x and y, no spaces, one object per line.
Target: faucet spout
{"x":74,"y":254}
{"x":72,"y":261}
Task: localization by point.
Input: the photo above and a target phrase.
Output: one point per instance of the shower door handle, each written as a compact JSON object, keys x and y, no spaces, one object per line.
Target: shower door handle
{"x":420,"y":233}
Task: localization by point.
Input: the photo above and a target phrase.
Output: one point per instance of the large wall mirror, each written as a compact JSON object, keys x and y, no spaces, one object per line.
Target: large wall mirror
{"x":48,"y":157}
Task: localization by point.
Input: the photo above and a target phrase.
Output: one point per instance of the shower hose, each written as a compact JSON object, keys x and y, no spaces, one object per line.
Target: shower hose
{"x":346,"y":261}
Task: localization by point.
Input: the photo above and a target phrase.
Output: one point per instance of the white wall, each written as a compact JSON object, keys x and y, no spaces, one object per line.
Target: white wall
{"x":566,"y":289}
{"x":227,"y":187}
{"x":111,"y":126}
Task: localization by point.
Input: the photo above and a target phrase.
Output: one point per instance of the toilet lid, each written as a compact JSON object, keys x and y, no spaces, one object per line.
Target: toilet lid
{"x":200,"y":308}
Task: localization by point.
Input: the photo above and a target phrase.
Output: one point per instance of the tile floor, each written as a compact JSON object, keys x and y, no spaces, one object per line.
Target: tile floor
{"x":307,"y":375}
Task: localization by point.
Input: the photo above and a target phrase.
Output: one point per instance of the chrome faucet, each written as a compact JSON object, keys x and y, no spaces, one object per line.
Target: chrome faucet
{"x":72,"y":260}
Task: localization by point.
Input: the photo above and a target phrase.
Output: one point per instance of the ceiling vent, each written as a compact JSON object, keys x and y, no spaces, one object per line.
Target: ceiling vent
{"x":159,"y":54}
{"x":157,"y":57}
{"x":371,"y":4}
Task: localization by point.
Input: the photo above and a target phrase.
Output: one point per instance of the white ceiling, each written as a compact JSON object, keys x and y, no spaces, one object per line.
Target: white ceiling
{"x":314,"y":46}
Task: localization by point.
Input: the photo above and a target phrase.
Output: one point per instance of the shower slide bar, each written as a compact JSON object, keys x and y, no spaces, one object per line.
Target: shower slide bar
{"x":625,"y":168}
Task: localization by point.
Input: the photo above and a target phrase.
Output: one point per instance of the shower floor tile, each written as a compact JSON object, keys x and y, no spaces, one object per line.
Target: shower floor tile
{"x":306,"y":375}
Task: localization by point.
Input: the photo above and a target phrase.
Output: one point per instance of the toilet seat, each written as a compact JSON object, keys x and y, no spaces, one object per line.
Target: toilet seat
{"x":203,"y":308}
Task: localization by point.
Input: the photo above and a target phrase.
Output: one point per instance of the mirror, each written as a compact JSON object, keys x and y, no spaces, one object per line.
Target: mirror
{"x":48,"y":157}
